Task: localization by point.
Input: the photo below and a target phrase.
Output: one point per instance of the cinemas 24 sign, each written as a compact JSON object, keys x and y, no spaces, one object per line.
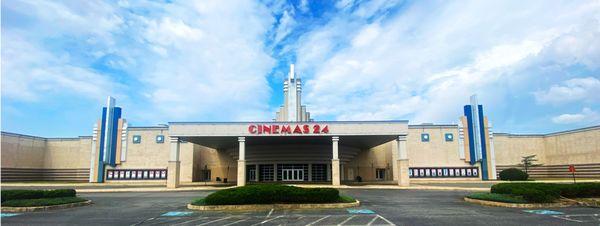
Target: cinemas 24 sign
{"x":288,"y":129}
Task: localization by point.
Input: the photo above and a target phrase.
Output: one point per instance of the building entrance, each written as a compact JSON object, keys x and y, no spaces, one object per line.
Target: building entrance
{"x":292,"y":174}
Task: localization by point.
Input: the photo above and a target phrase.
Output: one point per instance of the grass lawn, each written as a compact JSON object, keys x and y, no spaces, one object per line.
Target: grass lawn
{"x":41,"y":202}
{"x":497,"y":197}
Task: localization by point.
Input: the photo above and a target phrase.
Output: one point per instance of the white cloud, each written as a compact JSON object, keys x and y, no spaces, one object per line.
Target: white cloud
{"x":586,"y":116}
{"x":285,"y":27}
{"x":577,"y":89}
{"x":423,"y":64}
{"x":212,"y":67}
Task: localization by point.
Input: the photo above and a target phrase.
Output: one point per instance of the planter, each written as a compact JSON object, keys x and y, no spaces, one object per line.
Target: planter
{"x":273,"y":206}
{"x":516,"y":205}
{"x":44,"y":208}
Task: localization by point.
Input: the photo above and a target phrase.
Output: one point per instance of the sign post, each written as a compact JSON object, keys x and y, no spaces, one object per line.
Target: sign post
{"x":572,"y":170}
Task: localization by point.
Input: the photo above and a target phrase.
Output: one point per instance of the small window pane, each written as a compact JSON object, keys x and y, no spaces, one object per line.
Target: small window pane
{"x":160,"y":139}
{"x":449,"y":137}
{"x":137,"y":139}
{"x":425,"y":137}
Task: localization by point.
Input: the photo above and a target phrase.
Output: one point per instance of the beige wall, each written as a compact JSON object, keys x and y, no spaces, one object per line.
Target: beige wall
{"x":68,"y":153}
{"x":436,"y":152}
{"x":149,"y":154}
{"x":580,"y":146}
{"x":509,"y":149}
{"x":21,"y":151}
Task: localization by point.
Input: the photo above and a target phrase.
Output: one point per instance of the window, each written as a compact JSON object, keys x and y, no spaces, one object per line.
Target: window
{"x":449,"y":137}
{"x":380,"y":174}
{"x":424,"y":137}
{"x":137,"y":139}
{"x":160,"y":139}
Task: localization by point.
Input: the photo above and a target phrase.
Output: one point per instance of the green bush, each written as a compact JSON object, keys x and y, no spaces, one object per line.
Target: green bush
{"x":513,"y":174}
{"x":41,"y":201}
{"x":580,"y":190}
{"x":36,"y":194}
{"x":548,"y":192}
{"x":270,"y":194}
{"x":497,"y":197}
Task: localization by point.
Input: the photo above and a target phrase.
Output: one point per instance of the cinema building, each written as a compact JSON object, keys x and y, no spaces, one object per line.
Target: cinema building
{"x":294,"y":148}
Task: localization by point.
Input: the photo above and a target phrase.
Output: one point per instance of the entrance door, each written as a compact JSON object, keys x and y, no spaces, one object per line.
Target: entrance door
{"x":292,"y":174}
{"x":350,"y":174}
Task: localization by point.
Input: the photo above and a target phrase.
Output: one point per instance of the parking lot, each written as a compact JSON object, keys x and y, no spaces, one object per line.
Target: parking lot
{"x":379,"y":207}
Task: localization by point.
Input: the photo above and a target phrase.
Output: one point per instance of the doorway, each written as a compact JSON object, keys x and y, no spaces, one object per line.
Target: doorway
{"x":292,"y":174}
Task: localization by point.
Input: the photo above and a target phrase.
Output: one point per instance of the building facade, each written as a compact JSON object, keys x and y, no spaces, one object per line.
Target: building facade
{"x":293,"y":148}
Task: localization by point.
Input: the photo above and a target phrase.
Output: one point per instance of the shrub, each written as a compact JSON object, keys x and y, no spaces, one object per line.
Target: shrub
{"x":547,"y":192}
{"x":580,"y":190}
{"x":36,"y":194}
{"x":513,"y":174}
{"x":41,"y":201}
{"x":270,"y":194}
{"x":497,"y":197}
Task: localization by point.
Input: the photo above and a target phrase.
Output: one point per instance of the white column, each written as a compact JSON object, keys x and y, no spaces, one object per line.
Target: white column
{"x":174,"y":163}
{"x":492,"y":157}
{"x":335,"y":162}
{"x":403,"y":179}
{"x":241,"y":176}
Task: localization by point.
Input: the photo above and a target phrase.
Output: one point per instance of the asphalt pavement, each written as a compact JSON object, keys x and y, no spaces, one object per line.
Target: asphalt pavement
{"x":378,"y":207}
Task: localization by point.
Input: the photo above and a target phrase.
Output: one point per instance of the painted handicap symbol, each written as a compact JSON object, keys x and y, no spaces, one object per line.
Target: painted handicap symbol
{"x":544,"y":212}
{"x":360,"y":211}
{"x":176,"y":214}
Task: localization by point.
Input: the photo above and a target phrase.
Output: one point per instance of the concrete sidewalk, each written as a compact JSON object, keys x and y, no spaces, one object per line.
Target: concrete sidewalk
{"x":454,"y":185}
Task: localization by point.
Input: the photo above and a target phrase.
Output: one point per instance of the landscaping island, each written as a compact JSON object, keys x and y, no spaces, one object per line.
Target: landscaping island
{"x":535,"y":195}
{"x":36,"y":200}
{"x":273,"y":196}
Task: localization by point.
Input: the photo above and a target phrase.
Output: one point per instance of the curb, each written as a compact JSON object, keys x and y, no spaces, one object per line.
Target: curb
{"x":258,"y":207}
{"x":516,"y":205}
{"x":44,"y":208}
{"x":439,"y":188}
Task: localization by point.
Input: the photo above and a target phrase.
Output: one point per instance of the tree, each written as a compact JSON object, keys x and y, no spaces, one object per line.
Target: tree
{"x":528,"y":161}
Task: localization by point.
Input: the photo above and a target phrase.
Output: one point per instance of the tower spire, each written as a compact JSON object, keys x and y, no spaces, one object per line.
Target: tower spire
{"x":292,"y":73}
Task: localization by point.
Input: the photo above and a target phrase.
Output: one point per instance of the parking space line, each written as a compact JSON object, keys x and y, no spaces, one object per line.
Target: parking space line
{"x":374,"y":219}
{"x":386,"y":220}
{"x":205,"y":223}
{"x":347,"y":219}
{"x":235,"y":222}
{"x":192,"y":220}
{"x":265,"y":221}
{"x":320,"y":219}
{"x":566,"y":218}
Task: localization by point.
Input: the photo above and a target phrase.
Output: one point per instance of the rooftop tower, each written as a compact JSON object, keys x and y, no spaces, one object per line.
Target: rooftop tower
{"x":292,"y":109}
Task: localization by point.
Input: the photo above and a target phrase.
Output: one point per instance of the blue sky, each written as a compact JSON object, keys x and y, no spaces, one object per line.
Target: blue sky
{"x":535,"y":65}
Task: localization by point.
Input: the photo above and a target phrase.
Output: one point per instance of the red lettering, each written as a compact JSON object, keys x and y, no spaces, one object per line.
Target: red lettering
{"x":252,"y":129}
{"x":266,"y":129}
{"x":297,"y":130}
{"x":286,"y":129}
{"x":316,"y":129}
{"x":306,"y":129}
{"x":325,"y":129}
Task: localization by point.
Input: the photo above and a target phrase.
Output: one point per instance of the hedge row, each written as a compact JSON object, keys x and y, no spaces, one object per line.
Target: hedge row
{"x":36,"y":194}
{"x":270,"y":194}
{"x":547,"y":192}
